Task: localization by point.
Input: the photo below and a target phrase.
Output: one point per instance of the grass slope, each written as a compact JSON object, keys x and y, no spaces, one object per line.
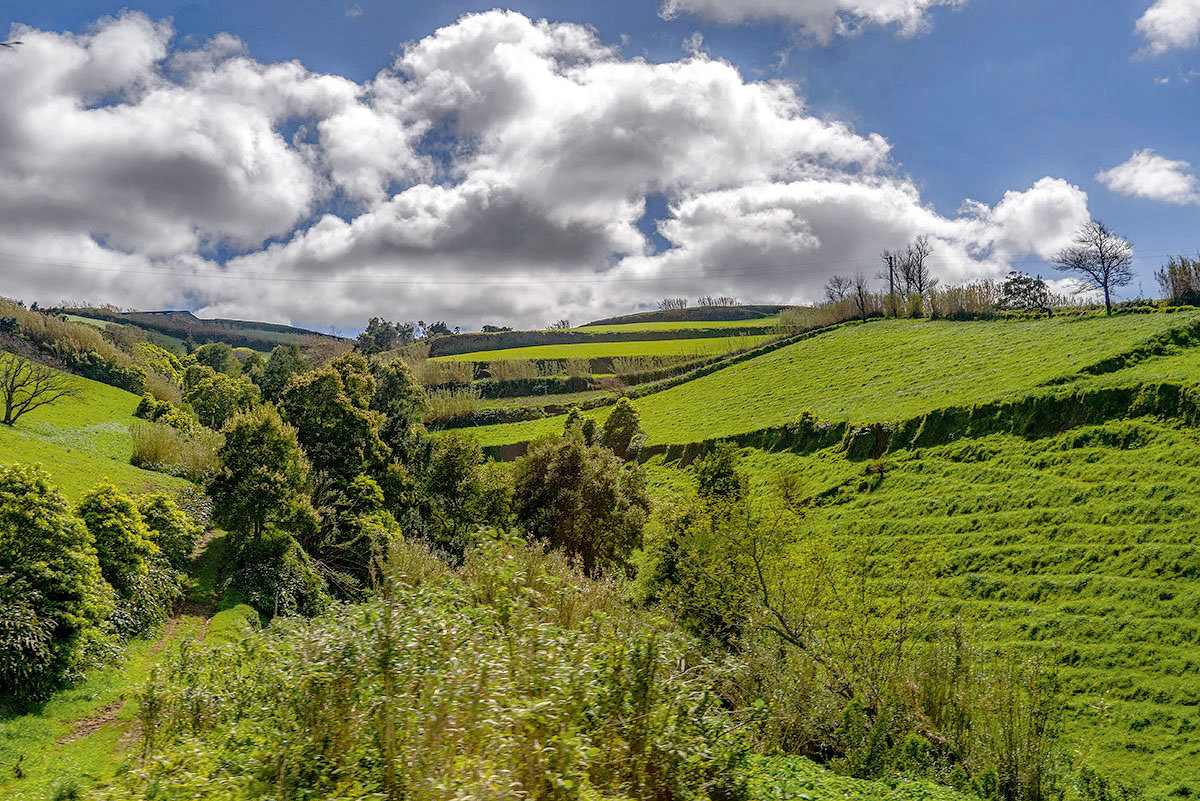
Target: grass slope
{"x":716,"y":326}
{"x":885,"y":370}
{"x":82,"y":441}
{"x":704,"y":346}
{"x":1080,"y":547}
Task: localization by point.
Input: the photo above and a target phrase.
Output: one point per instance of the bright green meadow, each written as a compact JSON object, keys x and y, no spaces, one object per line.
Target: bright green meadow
{"x":703,"y":346}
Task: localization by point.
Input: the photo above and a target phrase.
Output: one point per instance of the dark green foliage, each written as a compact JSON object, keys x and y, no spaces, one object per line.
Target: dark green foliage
{"x":622,"y":432}
{"x":381,"y":335}
{"x":276,"y":576}
{"x":121,"y":538}
{"x":170,"y":529}
{"x":399,"y":398}
{"x":262,"y":475}
{"x":219,"y":357}
{"x":218,"y":398}
{"x":193,"y":374}
{"x":718,"y":479}
{"x":52,"y":595}
{"x":285,"y":362}
{"x":335,"y":426}
{"x":1023,"y":293}
{"x":581,"y":499}
{"x":456,"y":493}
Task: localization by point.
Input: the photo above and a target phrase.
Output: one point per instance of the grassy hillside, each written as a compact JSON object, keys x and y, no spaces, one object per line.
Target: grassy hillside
{"x":81,"y":441}
{"x":885,"y":370}
{"x":704,"y":346}
{"x":716,"y":326}
{"x":1079,"y":547}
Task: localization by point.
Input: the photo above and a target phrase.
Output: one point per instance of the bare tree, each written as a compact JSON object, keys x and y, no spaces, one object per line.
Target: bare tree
{"x":559,"y":325}
{"x":861,"y":294}
{"x":837,"y":288}
{"x":26,"y":385}
{"x":914,"y":267}
{"x":1101,"y":258}
{"x":670,"y":304}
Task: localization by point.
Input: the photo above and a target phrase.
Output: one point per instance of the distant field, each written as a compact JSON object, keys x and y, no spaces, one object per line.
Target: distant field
{"x":714,"y":325}
{"x":82,"y":442}
{"x":885,"y":370}
{"x":75,"y":318}
{"x":1079,"y":547}
{"x":706,"y":346}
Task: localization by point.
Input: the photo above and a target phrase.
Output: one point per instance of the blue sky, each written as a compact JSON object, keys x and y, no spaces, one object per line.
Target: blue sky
{"x":992,"y":97}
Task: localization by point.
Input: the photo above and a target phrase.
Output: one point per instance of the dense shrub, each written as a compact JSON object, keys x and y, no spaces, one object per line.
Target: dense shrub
{"x":170,"y":529}
{"x":581,"y":499}
{"x":285,"y":361}
{"x":276,"y":576}
{"x":622,"y":430}
{"x":502,"y":683}
{"x":122,"y":540}
{"x":218,"y":398}
{"x":52,"y":596}
{"x":158,"y":361}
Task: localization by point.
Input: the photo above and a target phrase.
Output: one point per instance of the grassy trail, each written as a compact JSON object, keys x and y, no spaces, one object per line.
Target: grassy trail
{"x":83,"y":734}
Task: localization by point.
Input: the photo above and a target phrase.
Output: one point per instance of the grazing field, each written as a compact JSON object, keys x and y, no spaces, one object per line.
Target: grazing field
{"x":715,"y":326}
{"x":82,"y":441}
{"x":885,"y":370}
{"x":1081,"y":548}
{"x":705,"y":346}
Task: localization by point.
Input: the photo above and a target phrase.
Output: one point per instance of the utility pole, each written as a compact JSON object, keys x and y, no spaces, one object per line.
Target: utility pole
{"x":891,"y":259}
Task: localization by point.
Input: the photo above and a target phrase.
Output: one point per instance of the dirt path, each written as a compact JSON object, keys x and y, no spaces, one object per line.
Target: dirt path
{"x":183,"y":611}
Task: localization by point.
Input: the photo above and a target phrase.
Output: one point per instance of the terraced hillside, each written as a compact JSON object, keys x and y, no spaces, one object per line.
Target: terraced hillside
{"x":698,"y":347}
{"x":884,"y":370}
{"x":1081,"y":547}
{"x":82,"y":441}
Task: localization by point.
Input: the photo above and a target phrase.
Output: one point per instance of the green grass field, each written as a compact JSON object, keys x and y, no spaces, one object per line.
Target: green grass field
{"x":83,"y":441}
{"x":704,"y":346}
{"x":1080,"y":547}
{"x":695,"y":325}
{"x":885,"y":370}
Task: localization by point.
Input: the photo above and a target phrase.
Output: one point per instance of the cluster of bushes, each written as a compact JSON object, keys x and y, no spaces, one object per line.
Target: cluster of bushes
{"x":82,"y":348}
{"x":75,"y":582}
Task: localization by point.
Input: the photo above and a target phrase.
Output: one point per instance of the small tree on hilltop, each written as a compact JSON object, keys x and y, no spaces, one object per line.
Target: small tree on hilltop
{"x":262,"y":475}
{"x":1023,"y":293}
{"x":1102,"y":259}
{"x":622,"y":431}
{"x":26,"y":385}
{"x":838,"y":288}
{"x":581,"y":499}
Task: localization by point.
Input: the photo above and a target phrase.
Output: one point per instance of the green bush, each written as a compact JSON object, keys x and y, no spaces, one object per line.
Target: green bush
{"x":121,"y":538}
{"x":276,"y":576}
{"x":170,"y":529}
{"x":54,"y":598}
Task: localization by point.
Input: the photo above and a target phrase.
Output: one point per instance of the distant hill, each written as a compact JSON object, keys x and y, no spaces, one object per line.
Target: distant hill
{"x":692,"y":315}
{"x":183,"y":324}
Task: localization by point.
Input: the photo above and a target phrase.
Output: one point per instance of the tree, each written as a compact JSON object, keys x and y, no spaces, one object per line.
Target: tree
{"x":438,"y":329}
{"x":285,"y":361}
{"x":1179,"y":280}
{"x":219,"y":356}
{"x":914,"y":267}
{"x":52,"y":594}
{"x":262,"y":474}
{"x":1102,"y":259}
{"x":672,"y":304}
{"x":379,"y":336}
{"x":1023,"y":293}
{"x":861,"y":294}
{"x":26,"y":385}
{"x":455,"y":491}
{"x":837,"y":288}
{"x":581,"y":499}
{"x":559,"y":325}
{"x":399,"y":398}
{"x":622,"y":431}
{"x":219,"y":397}
{"x":330,"y":409}
{"x":170,"y":529}
{"x":123,"y":542}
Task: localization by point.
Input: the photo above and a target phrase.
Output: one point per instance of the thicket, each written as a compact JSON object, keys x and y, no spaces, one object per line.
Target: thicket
{"x":75,"y":583}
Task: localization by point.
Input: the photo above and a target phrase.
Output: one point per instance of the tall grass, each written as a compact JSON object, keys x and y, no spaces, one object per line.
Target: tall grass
{"x":504,"y":681}
{"x":164,"y":389}
{"x":626,"y":365}
{"x":451,"y":404}
{"x":161,"y":447}
{"x":435,"y":374}
{"x":513,"y":370}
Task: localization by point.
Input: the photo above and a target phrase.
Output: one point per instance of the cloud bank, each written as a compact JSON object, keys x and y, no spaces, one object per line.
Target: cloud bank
{"x":498,"y":171}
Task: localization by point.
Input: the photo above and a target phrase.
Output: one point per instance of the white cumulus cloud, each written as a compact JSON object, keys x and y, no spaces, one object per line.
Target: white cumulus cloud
{"x":499,"y":171}
{"x":1151,"y":176}
{"x":1170,"y":25}
{"x":821,"y":19}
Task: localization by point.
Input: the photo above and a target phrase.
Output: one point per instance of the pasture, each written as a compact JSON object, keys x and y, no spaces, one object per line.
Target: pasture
{"x":704,"y":346}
